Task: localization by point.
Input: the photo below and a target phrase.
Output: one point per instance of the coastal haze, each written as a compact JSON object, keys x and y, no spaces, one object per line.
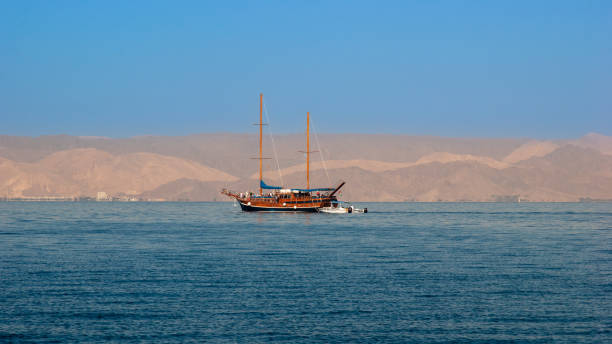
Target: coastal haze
{"x":376,"y":167}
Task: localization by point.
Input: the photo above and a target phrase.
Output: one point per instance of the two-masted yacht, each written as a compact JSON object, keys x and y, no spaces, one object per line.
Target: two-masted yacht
{"x":278,"y":198}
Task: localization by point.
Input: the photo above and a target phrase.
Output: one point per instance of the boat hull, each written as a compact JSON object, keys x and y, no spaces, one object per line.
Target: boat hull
{"x":329,"y":210}
{"x":247,"y":207}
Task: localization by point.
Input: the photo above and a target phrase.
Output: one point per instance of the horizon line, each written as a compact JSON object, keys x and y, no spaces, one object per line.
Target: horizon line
{"x":101,"y":137}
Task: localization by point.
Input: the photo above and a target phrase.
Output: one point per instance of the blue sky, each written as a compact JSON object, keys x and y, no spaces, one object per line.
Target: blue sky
{"x":450,"y":68}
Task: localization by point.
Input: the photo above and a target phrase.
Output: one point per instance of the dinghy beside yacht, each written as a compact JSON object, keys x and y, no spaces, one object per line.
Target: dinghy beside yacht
{"x":337,"y":207}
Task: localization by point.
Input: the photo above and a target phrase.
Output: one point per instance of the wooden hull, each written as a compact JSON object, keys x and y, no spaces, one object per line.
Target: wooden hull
{"x":246,"y":207}
{"x":281,"y":202}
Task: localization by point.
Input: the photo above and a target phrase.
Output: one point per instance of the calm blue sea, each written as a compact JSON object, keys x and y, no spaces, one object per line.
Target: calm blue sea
{"x":403,"y":273}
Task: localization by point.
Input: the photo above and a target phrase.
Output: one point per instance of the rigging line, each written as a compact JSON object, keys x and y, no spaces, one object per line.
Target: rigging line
{"x":320,"y":151}
{"x":280,"y":174}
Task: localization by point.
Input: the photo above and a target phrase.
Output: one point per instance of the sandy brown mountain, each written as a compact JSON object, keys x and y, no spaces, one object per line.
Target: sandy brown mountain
{"x":85,"y":171}
{"x":376,"y":167}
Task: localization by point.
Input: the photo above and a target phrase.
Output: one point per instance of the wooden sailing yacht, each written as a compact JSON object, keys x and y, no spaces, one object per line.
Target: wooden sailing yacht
{"x":278,"y":198}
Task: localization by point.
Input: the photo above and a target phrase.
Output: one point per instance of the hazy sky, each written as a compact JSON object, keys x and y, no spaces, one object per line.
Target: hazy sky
{"x":450,"y":68}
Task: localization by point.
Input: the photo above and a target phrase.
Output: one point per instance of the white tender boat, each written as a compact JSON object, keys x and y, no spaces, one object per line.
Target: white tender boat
{"x":332,"y":210}
{"x":341,"y":208}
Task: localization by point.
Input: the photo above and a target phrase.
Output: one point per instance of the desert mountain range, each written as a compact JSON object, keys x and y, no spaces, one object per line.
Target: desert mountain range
{"x":375,"y":167}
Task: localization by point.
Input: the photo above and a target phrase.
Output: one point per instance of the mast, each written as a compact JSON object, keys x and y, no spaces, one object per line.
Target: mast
{"x":260,"y":142}
{"x":307,"y":150}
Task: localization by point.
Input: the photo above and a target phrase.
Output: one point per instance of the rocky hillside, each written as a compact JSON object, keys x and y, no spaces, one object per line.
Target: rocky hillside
{"x":376,"y":167}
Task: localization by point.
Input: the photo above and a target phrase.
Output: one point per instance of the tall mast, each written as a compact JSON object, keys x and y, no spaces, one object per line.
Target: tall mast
{"x":260,"y":142}
{"x":307,"y":150}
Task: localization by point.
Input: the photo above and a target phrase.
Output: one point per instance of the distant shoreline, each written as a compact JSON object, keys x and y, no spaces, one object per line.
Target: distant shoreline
{"x":229,"y":202}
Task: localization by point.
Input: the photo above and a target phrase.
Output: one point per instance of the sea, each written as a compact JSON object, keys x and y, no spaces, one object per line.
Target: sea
{"x":92,"y":272}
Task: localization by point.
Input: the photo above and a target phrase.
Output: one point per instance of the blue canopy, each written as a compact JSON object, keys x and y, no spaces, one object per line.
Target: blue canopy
{"x":269,"y":187}
{"x":263,"y":185}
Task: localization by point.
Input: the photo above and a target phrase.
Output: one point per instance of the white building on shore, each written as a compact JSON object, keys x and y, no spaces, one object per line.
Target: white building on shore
{"x":103,"y":196}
